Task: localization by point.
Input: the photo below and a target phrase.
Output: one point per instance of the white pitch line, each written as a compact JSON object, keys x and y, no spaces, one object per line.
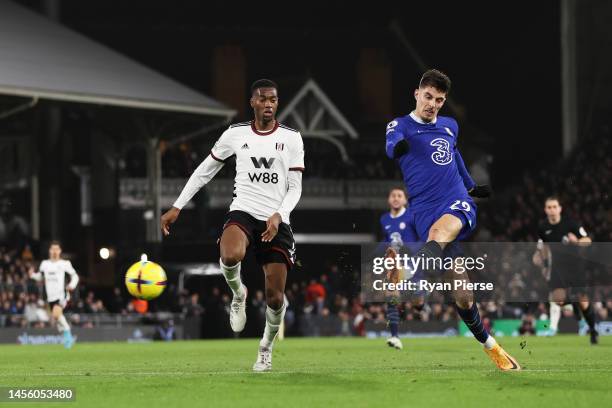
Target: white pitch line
{"x":246,"y":371}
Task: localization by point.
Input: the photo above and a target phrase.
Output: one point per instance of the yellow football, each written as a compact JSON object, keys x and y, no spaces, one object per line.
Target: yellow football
{"x":145,"y":279}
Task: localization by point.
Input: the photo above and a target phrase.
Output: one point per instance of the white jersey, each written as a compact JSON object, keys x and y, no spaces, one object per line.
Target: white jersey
{"x":269,"y":168}
{"x":263,"y":161}
{"x":55,"y":274}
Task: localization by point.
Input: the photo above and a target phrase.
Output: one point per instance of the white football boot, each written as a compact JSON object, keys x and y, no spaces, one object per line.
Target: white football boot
{"x":395,"y":342}
{"x":264,"y":360}
{"x":238,"y":312}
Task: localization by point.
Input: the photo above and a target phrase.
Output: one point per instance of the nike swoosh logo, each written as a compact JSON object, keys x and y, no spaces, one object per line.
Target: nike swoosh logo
{"x":514,"y":365}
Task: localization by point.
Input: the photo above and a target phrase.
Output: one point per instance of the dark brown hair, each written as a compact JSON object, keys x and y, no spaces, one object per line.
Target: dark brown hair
{"x":55,"y":242}
{"x":436,"y":79}
{"x":400,"y":189}
{"x":553,"y":198}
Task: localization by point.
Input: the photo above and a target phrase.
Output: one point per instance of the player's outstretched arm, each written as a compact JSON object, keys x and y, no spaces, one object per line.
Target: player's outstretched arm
{"x":578,"y":235}
{"x":468,"y":182}
{"x":169,"y":218}
{"x":294,"y":192}
{"x":74,"y":278}
{"x":396,"y":144}
{"x":475,"y":190}
{"x":35,"y":275}
{"x":200,"y":177}
{"x":541,"y":259}
{"x":582,"y":241}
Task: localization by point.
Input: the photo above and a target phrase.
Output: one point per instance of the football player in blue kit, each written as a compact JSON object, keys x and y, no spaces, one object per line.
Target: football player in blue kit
{"x":393,"y":224}
{"x":441,"y":210}
{"x":395,"y":233}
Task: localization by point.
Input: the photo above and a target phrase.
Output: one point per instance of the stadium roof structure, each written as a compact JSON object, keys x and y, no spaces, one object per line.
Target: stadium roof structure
{"x":41,"y":59}
{"x":312,"y":113}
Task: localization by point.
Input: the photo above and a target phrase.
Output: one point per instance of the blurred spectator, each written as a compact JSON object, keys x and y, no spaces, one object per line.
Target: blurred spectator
{"x":315,"y":296}
{"x":527,"y":326}
{"x":139,"y":306}
{"x":194,"y":308}
{"x":117,"y":303}
{"x":165,"y":331}
{"x":258,"y":309}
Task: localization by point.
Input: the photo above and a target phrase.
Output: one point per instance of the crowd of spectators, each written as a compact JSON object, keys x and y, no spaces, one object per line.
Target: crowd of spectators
{"x":581,"y":182}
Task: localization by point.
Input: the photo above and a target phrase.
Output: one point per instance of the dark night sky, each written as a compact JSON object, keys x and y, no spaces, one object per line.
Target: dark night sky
{"x":504,"y":61}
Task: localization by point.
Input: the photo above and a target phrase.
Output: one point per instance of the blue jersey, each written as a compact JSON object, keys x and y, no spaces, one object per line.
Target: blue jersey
{"x":433,"y":169}
{"x":396,"y":230}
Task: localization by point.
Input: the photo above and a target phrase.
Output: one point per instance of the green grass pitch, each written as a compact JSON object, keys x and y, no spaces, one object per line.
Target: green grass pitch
{"x":564,"y":371}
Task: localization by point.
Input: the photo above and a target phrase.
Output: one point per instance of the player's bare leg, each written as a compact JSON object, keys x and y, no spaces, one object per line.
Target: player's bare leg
{"x":445,"y":229}
{"x":233,"y":247}
{"x":62,"y":325}
{"x":276,"y":277}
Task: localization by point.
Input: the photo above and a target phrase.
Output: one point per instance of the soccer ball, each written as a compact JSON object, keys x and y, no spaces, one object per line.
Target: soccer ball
{"x":145,"y":279}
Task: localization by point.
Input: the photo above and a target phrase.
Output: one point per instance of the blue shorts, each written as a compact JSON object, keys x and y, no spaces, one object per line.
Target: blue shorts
{"x":421,"y":220}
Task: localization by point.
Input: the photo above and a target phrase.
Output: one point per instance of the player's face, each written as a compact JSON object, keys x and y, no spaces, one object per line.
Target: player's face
{"x":429,"y":101}
{"x":397,"y":199}
{"x":54,"y":252}
{"x":264,"y":102}
{"x":552,"y":209}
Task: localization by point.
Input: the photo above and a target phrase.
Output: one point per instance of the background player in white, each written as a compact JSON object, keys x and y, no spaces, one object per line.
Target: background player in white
{"x":268,"y":185}
{"x":53,"y":271}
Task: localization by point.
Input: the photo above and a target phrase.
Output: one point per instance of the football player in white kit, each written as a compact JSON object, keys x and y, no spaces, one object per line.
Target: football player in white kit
{"x":267,"y":187}
{"x":53,"y":271}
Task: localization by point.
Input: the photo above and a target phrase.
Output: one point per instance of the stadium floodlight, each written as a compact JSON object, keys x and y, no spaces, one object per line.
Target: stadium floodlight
{"x":104,"y":253}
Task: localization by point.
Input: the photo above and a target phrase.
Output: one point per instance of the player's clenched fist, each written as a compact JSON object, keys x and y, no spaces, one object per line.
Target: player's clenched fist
{"x":169,"y":218}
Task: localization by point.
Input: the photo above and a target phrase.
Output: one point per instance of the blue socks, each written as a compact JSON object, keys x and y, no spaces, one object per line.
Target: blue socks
{"x":471,"y":317}
{"x":393,"y":319}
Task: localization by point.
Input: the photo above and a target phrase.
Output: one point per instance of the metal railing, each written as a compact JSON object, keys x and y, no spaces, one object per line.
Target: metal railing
{"x":93,"y":319}
{"x":316,"y":193}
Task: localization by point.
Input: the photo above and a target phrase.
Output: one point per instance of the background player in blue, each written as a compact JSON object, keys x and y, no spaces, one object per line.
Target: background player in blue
{"x":441,"y":209}
{"x":394,"y":224}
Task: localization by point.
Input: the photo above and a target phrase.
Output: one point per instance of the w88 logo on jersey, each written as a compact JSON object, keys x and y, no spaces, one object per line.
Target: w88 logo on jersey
{"x":264,"y":177}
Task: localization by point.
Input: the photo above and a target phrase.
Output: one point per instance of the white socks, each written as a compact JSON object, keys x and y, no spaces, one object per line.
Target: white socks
{"x":555,"y":315}
{"x":62,"y":324}
{"x":274,"y":318}
{"x":490,"y":343}
{"x":232,"y":277}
